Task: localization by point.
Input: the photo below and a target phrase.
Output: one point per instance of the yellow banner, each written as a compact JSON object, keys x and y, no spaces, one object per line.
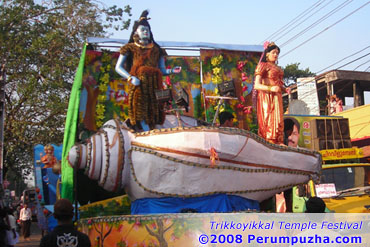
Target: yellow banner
{"x":340,"y":154}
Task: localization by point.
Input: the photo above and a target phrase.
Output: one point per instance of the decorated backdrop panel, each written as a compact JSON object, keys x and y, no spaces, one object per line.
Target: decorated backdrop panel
{"x":223,"y":65}
{"x":188,"y":79}
{"x":104,"y":93}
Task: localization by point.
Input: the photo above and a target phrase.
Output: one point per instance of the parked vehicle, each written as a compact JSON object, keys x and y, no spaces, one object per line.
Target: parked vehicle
{"x":352,"y":183}
{"x":344,"y":182}
{"x":29,"y":197}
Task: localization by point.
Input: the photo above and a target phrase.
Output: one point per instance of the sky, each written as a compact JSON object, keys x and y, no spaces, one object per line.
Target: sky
{"x":251,"y":22}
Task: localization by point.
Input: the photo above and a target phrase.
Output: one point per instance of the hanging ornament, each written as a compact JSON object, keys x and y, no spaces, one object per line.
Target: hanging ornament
{"x":213,"y":156}
{"x":45,"y":179}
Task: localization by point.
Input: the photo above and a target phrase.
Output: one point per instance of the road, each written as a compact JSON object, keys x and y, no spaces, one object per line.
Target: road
{"x":35,"y":237}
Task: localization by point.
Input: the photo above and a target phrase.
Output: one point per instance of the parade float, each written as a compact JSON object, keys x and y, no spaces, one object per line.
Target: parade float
{"x":146,"y":180}
{"x":47,"y":170}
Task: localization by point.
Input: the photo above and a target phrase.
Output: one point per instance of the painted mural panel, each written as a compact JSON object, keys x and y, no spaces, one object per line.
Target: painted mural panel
{"x":223,"y":65}
{"x":234,"y":229}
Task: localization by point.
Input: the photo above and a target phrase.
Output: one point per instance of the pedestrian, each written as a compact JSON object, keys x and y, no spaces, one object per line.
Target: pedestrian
{"x":12,"y":235}
{"x":226,"y":119}
{"x":339,"y":105}
{"x":25,"y":216}
{"x":3,"y":227}
{"x":315,"y":205}
{"x":64,"y":234}
{"x":332,"y":104}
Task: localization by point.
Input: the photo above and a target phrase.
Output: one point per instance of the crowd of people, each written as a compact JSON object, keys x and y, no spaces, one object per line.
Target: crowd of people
{"x":335,"y":104}
{"x":8,"y":227}
{"x":64,"y":234}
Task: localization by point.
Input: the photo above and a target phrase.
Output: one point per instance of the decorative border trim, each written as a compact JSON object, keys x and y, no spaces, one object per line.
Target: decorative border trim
{"x":107,"y":154}
{"x":121,"y":156}
{"x":88,"y":152}
{"x":138,"y":218}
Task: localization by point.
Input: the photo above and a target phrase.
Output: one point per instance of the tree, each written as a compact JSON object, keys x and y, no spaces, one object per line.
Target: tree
{"x":40,"y":45}
{"x":292,"y":72}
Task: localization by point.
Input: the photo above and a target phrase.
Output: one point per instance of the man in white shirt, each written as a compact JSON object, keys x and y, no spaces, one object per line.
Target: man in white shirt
{"x":25,"y":216}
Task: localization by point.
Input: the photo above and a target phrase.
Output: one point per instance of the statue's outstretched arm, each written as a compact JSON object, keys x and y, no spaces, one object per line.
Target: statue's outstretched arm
{"x":165,"y":71}
{"x":122,"y":72}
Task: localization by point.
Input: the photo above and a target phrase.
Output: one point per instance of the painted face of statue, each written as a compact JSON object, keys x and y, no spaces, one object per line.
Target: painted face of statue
{"x":273,"y":55}
{"x":143,"y":32}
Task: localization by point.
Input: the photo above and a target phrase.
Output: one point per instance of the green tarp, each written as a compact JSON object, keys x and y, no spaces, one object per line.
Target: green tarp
{"x":71,"y":129}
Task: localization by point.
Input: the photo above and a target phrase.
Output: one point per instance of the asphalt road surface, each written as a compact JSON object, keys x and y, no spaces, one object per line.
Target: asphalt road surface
{"x":34,"y":238}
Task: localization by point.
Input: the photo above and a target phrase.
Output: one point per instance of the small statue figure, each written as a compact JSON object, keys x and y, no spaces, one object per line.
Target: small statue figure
{"x":141,"y":63}
{"x":49,"y":160}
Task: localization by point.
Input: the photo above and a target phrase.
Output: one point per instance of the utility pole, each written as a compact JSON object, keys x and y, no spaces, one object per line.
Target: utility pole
{"x":2,"y":113}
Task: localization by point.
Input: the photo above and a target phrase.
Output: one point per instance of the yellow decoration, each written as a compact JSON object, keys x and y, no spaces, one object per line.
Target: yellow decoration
{"x":99,"y":124}
{"x":105,"y":78}
{"x":106,"y":58}
{"x":102,"y":97}
{"x":217,"y":79}
{"x":109,"y":67}
{"x":103,"y":88}
{"x":216,"y":60}
{"x":216,"y":70}
{"x":123,"y":115}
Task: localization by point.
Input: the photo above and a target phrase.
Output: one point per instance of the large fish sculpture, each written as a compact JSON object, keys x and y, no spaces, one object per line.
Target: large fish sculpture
{"x":191,"y":161}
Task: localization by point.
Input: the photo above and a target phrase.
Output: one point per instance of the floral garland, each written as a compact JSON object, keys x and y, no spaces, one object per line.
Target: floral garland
{"x":217,"y":72}
{"x":103,"y":87}
{"x":217,"y":69}
{"x":245,"y":81}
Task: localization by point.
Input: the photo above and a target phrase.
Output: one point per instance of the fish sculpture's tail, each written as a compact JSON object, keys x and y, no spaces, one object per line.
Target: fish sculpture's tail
{"x":102,"y":157}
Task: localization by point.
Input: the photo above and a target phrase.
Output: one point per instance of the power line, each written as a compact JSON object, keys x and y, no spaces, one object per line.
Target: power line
{"x":368,"y":68}
{"x":276,"y":39}
{"x":342,"y":5}
{"x":361,"y":64}
{"x":327,"y":28}
{"x":354,"y":60}
{"x":294,"y":19}
{"x":343,"y":59}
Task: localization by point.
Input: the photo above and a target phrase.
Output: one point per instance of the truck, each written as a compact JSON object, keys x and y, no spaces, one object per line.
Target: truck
{"x":345,"y":179}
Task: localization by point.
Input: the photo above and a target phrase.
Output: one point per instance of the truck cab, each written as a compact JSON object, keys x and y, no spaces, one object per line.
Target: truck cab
{"x":352,"y":184}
